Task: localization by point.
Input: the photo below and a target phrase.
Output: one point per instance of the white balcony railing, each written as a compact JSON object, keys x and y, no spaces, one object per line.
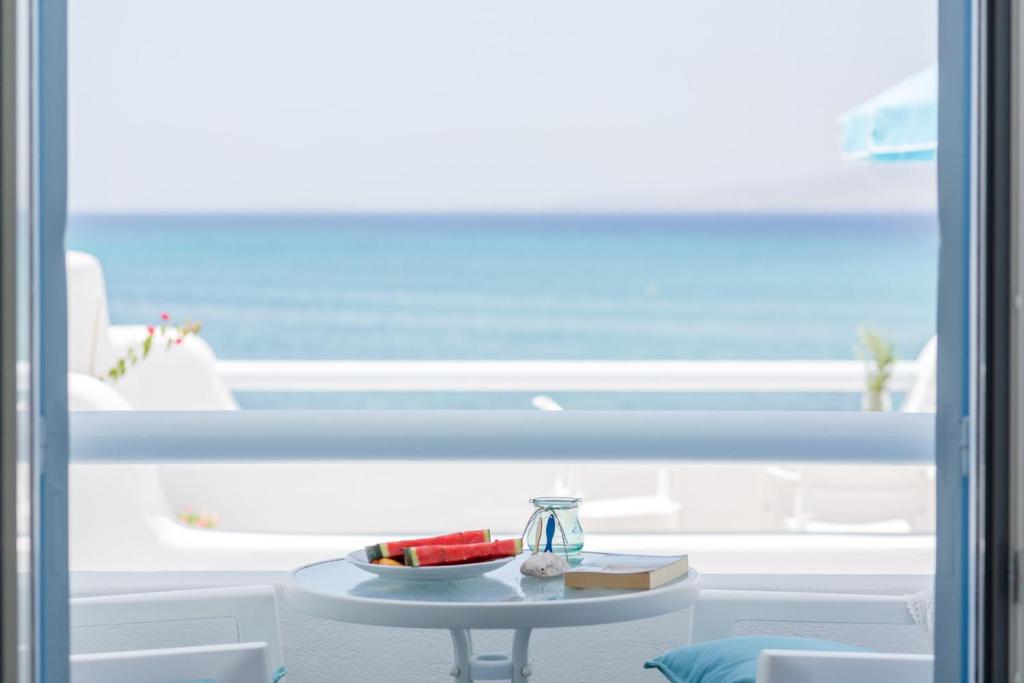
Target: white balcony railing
{"x":736,"y":436}
{"x":799,"y":376}
{"x":294,"y":486}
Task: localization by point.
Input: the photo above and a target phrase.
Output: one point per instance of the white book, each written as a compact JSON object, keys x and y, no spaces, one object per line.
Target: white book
{"x":642,"y":572}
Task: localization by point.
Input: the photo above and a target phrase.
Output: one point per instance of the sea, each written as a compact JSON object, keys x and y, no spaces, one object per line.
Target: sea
{"x":532,"y":286}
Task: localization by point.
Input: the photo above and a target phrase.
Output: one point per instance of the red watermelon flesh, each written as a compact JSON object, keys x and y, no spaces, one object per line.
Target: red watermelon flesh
{"x":430,"y":555}
{"x":395,"y":549}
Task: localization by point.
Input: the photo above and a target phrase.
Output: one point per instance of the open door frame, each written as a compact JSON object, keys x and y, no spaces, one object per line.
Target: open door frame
{"x":49,"y":203}
{"x":34,"y":633}
{"x":1012,"y":612}
{"x":12,"y":598}
{"x":980,"y":327}
{"x":996,"y":315}
{"x":956,"y":432}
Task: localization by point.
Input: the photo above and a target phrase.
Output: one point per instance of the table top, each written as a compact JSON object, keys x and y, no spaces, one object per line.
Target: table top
{"x":504,"y":598}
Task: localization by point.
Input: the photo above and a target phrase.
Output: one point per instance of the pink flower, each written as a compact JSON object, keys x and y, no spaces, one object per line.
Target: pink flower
{"x":165,"y":317}
{"x":179,"y":340}
{"x":150,"y":329}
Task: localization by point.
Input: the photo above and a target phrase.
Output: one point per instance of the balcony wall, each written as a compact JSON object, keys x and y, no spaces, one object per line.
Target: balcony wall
{"x":321,"y":651}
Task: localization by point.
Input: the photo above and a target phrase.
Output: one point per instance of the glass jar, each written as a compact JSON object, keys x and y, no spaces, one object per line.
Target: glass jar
{"x":555,"y":526}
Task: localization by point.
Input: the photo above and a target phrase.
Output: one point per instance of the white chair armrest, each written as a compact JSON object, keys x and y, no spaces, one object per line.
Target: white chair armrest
{"x":234,"y":663}
{"x":88,"y":393}
{"x":797,"y":666}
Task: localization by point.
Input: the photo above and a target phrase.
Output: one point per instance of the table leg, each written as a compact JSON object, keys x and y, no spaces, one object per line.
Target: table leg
{"x":463,"y":644}
{"x":469,"y":667}
{"x":520,"y":655}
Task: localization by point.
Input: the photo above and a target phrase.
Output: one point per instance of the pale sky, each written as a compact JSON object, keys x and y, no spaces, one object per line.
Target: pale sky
{"x":476,"y":105}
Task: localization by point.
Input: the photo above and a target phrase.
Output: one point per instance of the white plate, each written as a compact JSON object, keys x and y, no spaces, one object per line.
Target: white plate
{"x":448,"y":572}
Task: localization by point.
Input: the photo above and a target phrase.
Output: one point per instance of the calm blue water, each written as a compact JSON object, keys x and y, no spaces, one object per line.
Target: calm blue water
{"x":525,"y":287}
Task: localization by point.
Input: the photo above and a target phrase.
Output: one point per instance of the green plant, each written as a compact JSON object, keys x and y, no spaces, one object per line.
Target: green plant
{"x":137,"y":352}
{"x":879,"y":357}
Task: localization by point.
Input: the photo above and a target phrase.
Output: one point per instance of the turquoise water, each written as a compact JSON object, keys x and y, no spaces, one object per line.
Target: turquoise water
{"x":525,"y":287}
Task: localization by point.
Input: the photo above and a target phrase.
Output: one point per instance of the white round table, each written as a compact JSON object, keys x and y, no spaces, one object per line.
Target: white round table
{"x":503,"y":599}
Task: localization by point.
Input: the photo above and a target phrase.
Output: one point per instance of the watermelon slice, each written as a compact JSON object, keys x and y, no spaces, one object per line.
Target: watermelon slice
{"x":428,"y":555}
{"x":395,"y":549}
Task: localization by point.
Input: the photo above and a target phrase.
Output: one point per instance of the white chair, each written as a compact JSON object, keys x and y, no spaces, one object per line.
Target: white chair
{"x":893,"y":499}
{"x":182,"y":378}
{"x":252,"y":608}
{"x":239,"y":663}
{"x":718,"y":611}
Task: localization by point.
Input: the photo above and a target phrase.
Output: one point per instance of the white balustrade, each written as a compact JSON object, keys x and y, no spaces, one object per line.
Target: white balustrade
{"x":797,"y":376}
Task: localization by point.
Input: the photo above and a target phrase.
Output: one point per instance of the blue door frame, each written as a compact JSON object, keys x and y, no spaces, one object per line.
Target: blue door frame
{"x":954,"y":580}
{"x":50,"y":369}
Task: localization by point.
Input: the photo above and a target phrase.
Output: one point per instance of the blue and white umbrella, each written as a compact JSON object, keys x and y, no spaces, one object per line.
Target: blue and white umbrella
{"x":899,"y":124}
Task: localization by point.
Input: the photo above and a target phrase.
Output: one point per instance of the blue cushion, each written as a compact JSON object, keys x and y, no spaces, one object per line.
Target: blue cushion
{"x":278,"y":676}
{"x":732,"y":660}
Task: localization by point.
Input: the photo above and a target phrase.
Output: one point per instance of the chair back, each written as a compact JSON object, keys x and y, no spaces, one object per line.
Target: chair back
{"x":921,"y":397}
{"x":89,"y":349}
{"x":235,"y":663}
{"x":717,"y":612}
{"x":252,"y":608}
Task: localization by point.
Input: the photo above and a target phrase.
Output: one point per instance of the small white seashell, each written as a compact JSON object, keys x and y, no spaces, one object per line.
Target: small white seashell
{"x":544,"y":565}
